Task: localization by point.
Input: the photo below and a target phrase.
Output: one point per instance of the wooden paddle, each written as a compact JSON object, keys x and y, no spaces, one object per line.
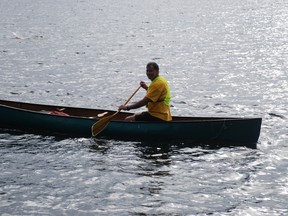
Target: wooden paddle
{"x":103,"y":122}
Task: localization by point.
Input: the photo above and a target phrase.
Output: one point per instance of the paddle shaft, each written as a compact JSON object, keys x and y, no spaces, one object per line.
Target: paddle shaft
{"x":127,"y":100}
{"x":132,"y":95}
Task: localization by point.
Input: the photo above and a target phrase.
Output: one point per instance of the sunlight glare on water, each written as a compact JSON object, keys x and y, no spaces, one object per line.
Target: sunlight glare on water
{"x":221,"y":58}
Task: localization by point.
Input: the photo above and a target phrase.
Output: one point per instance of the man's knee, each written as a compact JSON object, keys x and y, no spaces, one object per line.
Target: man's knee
{"x":130,"y":118}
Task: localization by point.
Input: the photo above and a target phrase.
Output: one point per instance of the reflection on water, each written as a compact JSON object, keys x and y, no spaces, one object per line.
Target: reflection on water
{"x":66,"y":175}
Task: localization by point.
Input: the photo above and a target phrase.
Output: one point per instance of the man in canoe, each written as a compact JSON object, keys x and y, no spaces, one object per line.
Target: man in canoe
{"x":157,"y":98}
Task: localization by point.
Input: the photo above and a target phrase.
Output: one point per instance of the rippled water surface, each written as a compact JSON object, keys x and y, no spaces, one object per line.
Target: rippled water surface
{"x":221,"y":57}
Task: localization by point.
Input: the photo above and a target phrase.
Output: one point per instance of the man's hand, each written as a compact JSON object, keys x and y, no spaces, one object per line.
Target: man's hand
{"x":143,"y":85}
{"x":123,"y":107}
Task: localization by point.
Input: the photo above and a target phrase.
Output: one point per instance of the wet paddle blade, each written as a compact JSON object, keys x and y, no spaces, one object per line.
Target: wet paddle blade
{"x":101,"y":124}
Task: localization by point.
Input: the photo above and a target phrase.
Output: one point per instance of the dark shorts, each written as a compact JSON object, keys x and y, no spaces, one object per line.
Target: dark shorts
{"x":145,"y":116}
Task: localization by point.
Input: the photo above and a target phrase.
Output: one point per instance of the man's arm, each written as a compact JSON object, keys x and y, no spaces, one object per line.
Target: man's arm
{"x":136,"y":105}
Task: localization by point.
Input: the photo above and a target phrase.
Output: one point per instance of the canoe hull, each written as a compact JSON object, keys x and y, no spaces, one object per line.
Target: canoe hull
{"x":216,"y":133}
{"x":186,"y":130}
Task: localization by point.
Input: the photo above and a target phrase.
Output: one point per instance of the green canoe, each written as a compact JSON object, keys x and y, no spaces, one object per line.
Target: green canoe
{"x":77,"y":122}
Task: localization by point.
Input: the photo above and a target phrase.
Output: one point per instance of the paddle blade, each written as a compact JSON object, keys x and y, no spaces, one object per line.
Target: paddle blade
{"x":100,"y":125}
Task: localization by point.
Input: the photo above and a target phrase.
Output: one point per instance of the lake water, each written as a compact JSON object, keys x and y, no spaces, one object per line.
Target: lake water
{"x":221,"y":57}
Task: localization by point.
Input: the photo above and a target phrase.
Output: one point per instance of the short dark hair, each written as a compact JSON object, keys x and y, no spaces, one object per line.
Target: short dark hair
{"x":154,"y":65}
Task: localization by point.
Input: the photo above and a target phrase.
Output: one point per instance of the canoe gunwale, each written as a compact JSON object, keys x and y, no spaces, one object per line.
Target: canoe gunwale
{"x":46,"y":108}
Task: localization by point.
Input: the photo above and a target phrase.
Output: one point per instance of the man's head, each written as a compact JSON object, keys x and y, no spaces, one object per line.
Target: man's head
{"x":152,"y":70}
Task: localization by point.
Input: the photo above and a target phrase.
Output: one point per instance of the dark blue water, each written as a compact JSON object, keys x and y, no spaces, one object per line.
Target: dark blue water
{"x":222,"y":58}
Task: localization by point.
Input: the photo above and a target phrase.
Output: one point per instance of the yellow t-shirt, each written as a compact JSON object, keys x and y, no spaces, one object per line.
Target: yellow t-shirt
{"x":159,"y":93}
